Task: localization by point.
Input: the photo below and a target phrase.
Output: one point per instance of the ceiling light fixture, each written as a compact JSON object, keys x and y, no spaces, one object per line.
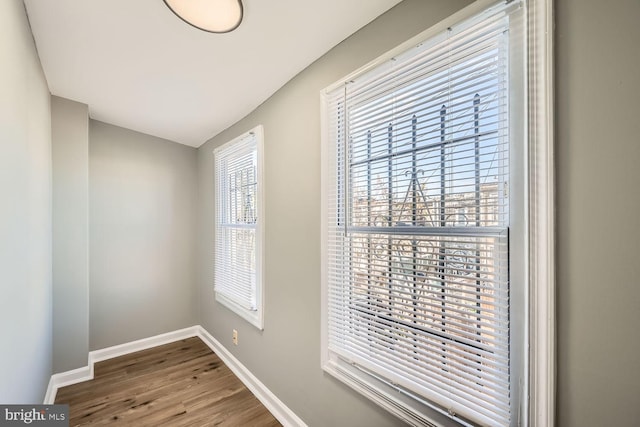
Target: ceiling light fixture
{"x":214,"y":16}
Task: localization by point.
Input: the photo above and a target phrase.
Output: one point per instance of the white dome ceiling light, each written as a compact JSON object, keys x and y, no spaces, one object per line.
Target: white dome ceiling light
{"x":214,"y":16}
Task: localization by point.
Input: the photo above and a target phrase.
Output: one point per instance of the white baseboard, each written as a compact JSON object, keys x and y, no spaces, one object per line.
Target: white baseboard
{"x":64,"y":379}
{"x":50,"y":394}
{"x":279,"y":410}
{"x":143,"y":344}
{"x":85,"y":373}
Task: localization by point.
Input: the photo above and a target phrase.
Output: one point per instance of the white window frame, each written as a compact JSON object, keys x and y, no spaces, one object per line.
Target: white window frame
{"x":537,"y":406}
{"x":254,"y":316}
{"x":542,"y":280}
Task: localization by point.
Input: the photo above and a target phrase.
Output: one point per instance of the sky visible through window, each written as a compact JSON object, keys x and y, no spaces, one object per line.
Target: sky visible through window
{"x":406,"y":142}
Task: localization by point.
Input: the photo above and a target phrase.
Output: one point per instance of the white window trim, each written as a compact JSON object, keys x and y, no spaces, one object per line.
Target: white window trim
{"x":539,"y":408}
{"x":256,"y":318}
{"x":542,"y":321}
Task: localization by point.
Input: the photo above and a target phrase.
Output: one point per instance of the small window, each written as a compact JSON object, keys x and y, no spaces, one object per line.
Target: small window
{"x":238,"y":238}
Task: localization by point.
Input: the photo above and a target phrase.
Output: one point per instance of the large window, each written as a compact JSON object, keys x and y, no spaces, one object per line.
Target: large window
{"x":424,"y":276}
{"x":238,"y":247}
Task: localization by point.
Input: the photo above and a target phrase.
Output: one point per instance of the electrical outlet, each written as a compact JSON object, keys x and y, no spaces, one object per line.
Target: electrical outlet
{"x":235,"y":337}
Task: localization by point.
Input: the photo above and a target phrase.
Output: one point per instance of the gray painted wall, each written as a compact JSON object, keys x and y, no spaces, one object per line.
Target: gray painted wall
{"x":598,"y":205}
{"x":70,"y":156}
{"x":142,"y":213}
{"x":142,"y":198}
{"x":597,"y":66}
{"x":25,"y":213}
{"x":286,"y":355}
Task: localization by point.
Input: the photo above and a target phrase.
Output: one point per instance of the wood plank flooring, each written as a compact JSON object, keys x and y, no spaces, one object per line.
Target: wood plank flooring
{"x":179,"y":384}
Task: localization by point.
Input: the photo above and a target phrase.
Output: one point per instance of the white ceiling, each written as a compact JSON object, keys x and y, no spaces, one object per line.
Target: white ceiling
{"x":140,"y":67}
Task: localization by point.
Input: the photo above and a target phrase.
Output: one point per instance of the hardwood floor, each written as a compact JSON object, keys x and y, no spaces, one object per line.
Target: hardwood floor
{"x":178,"y":384}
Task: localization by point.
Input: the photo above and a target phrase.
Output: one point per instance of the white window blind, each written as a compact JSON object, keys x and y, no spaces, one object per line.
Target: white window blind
{"x":417,"y":226}
{"x":238,"y":220}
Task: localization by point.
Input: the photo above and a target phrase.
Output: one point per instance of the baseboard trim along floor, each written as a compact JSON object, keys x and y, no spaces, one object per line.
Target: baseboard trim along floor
{"x":279,"y":410}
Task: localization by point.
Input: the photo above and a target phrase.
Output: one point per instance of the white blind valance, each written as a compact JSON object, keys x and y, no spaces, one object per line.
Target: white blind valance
{"x":417,"y":258}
